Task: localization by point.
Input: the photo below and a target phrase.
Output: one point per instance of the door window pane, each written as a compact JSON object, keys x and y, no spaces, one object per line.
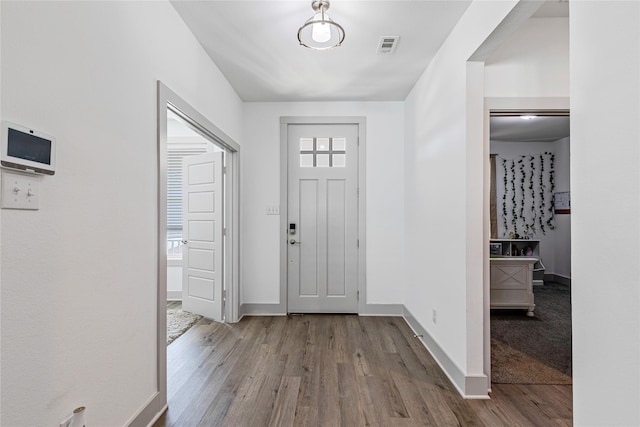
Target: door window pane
{"x":339,"y":144}
{"x":322,"y":144}
{"x":323,"y":152}
{"x":306,"y":160}
{"x":306,"y":144}
{"x":322,"y":160}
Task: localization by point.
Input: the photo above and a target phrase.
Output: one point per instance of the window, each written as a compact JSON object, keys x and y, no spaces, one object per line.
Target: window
{"x":323,"y":152}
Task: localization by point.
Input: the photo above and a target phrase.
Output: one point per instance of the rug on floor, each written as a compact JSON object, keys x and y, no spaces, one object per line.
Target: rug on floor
{"x":534,"y":350}
{"x":179,"y":322}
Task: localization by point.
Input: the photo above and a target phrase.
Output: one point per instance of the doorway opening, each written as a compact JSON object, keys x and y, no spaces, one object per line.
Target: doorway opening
{"x":172,"y":107}
{"x":530,"y":247}
{"x":196,"y":243}
{"x":187,"y":301}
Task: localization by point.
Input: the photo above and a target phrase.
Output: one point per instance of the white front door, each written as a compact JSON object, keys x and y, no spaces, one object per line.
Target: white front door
{"x":322,"y":237}
{"x":202,"y":254}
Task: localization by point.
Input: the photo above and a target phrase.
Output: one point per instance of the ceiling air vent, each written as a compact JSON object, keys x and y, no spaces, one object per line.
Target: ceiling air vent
{"x":387,"y":44}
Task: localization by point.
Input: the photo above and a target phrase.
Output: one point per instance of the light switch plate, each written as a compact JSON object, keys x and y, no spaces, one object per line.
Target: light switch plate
{"x":273,"y":209}
{"x":20,"y":191}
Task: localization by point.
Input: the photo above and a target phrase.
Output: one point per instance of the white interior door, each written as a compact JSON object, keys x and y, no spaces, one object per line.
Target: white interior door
{"x":323,"y":207}
{"x":202,"y":254}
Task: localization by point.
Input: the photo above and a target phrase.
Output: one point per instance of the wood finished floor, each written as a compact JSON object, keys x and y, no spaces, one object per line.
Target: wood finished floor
{"x":330,"y":370}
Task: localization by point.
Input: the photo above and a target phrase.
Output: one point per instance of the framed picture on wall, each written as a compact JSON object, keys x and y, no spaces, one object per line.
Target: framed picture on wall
{"x":562,"y":202}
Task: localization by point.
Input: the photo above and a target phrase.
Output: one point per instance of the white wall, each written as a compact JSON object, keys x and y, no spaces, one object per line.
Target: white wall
{"x":441,"y":197}
{"x":555,"y":245}
{"x":532,"y":62}
{"x":384,"y":196}
{"x":174,"y":279}
{"x":531,"y":65}
{"x":79,"y":276}
{"x":605,"y":185}
{"x":562,"y":258}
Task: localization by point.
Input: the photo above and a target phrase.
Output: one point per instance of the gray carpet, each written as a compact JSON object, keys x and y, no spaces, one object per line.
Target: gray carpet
{"x":178,"y":321}
{"x":534,"y":350}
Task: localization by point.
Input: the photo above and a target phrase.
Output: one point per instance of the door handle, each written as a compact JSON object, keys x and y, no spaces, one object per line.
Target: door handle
{"x":184,"y":242}
{"x":294,"y":242}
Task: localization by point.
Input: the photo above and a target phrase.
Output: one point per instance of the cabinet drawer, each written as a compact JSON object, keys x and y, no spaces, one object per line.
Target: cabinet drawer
{"x":509,"y":297}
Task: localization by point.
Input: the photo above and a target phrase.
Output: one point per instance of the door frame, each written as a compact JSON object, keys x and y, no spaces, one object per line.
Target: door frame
{"x":284,"y":199}
{"x":167,"y":99}
{"x":495,"y":105}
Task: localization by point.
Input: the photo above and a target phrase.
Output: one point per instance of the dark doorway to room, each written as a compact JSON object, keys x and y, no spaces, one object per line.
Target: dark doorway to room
{"x":530,"y":248}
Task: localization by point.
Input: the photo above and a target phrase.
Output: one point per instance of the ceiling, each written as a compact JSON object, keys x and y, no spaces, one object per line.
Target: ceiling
{"x":538,"y":129}
{"x":255,"y":45}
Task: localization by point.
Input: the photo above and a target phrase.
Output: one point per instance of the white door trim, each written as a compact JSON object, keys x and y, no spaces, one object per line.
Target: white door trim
{"x":361,"y":123}
{"x":169,"y":99}
{"x":492,"y":104}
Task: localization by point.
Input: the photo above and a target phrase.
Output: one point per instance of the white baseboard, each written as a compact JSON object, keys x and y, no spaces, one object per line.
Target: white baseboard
{"x":383,"y":310}
{"x":469,"y":386}
{"x":262,"y":310}
{"x":149,"y":413}
{"x":563,"y":280}
{"x":174,"y":295}
{"x":158,"y":415}
{"x":278,"y":310}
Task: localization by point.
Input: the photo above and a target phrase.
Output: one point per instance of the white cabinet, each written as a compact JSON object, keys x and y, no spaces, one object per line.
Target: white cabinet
{"x":520,"y":248}
{"x":512,"y":282}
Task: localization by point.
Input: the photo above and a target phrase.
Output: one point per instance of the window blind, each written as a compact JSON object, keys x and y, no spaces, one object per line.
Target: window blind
{"x":175,"y":154}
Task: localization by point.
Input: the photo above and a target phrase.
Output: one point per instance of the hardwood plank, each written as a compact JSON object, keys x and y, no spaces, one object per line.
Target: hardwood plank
{"x":372,"y":409}
{"x":211,"y":376}
{"x":293,"y":335}
{"x":284,"y":407}
{"x":417,"y":409}
{"x":332,"y":370}
{"x":546,"y":399}
{"x":494,"y":412}
{"x":535,"y":410}
{"x":327,"y":397}
{"x":351,"y":413}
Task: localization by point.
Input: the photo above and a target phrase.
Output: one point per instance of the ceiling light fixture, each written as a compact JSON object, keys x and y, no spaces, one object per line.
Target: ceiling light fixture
{"x":320,"y":32}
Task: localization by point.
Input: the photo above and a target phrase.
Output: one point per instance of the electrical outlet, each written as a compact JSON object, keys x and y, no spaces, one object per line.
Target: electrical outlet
{"x":435,"y":316}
